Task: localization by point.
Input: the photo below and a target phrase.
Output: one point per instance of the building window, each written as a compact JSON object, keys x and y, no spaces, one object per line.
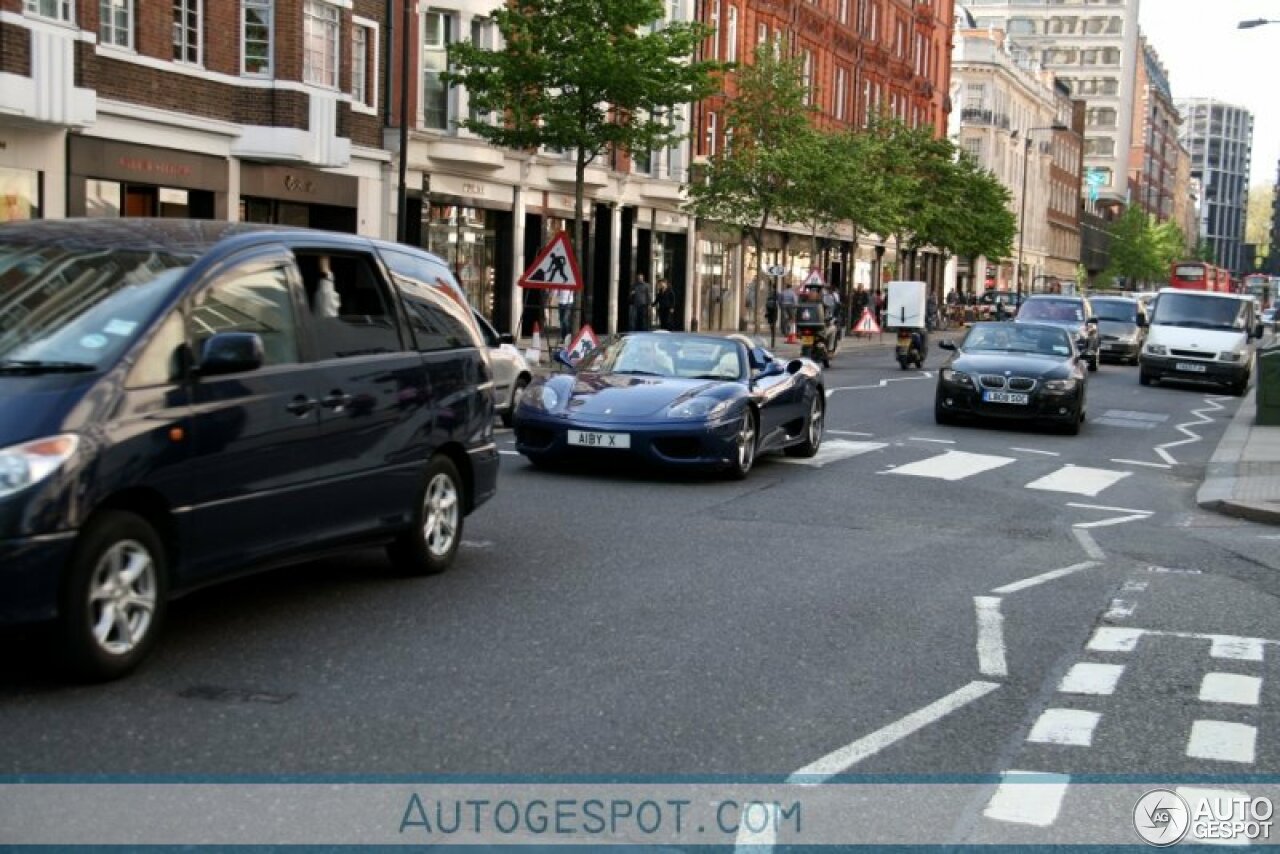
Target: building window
{"x":115,"y":23}
{"x":713,"y":21}
{"x":806,"y":76}
{"x":186,"y":31}
{"x":320,"y":44}
{"x":731,"y":36}
{"x":842,"y":11}
{"x":711,"y":135}
{"x":59,"y":10}
{"x":437,"y":34}
{"x":762,"y":33}
{"x":361,"y":42}
{"x":842,"y":94}
{"x":973,"y":147}
{"x":19,"y":194}
{"x":255,"y":33}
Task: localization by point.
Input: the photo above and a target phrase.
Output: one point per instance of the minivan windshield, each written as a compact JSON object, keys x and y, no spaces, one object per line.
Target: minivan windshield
{"x":1121,"y":311}
{"x":1201,"y":312}
{"x":1052,"y":310}
{"x":77,"y":309}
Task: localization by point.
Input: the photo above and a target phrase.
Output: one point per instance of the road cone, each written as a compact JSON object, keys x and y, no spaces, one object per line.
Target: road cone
{"x":791,"y":337}
{"x":533,"y":354}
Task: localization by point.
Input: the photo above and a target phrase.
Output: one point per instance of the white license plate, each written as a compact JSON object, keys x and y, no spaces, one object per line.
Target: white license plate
{"x":1193,"y":367}
{"x":588,"y":439}
{"x":1005,"y":397}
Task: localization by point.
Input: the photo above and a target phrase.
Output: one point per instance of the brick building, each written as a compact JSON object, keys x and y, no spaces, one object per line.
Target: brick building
{"x":262,"y":110}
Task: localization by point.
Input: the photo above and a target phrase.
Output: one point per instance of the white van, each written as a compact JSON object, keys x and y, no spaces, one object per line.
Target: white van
{"x":1200,"y":336}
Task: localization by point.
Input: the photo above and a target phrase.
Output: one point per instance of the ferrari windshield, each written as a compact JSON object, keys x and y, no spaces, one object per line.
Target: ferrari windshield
{"x":77,"y":309}
{"x":664,"y":355}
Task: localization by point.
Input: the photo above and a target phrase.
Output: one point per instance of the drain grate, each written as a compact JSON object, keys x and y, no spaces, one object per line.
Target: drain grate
{"x":219,"y":694}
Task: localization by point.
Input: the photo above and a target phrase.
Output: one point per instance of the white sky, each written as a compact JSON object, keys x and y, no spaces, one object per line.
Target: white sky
{"x":1208,"y":56}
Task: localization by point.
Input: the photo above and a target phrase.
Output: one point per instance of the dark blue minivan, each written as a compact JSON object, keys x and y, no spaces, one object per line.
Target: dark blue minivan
{"x":183,"y":401}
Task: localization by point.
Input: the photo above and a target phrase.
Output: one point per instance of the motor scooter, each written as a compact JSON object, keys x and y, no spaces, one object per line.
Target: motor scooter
{"x":913,"y":347}
{"x":818,"y":333}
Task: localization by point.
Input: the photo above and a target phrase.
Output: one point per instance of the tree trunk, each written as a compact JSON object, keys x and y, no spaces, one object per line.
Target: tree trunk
{"x":579,"y":182}
{"x":758,"y":237}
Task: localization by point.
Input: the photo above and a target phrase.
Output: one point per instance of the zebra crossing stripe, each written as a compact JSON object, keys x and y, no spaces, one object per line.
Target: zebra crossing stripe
{"x":1024,"y":797}
{"x":1080,"y":480}
{"x":952,"y":465}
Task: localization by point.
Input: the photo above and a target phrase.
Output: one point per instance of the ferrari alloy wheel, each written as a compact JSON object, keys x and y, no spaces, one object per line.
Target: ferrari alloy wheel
{"x":813,"y":427}
{"x":745,"y":446}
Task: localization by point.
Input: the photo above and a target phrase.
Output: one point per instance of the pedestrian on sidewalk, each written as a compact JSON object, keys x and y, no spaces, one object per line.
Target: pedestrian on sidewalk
{"x":564,"y":304}
{"x":641,"y":304}
{"x":789,"y":300}
{"x":666,"y":303}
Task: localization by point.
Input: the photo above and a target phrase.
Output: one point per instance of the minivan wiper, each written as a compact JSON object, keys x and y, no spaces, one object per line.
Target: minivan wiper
{"x":38,"y":366}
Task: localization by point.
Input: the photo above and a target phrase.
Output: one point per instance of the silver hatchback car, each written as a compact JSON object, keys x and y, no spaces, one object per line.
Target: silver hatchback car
{"x":511,"y":372}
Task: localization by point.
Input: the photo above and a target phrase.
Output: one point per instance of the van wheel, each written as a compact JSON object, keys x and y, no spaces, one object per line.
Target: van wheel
{"x":1239,"y":387}
{"x":428,"y":548}
{"x":114,"y":597}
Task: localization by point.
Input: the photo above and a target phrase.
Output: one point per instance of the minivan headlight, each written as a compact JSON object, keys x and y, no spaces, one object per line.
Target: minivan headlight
{"x":1230,"y":356}
{"x":31,"y":462}
{"x":1157,"y":350}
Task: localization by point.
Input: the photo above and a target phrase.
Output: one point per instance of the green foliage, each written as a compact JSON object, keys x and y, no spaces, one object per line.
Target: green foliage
{"x":1142,"y":250}
{"x":752,"y":179}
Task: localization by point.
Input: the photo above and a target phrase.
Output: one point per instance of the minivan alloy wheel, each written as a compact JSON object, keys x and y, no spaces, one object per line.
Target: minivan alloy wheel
{"x":122,"y":597}
{"x":440,"y":515}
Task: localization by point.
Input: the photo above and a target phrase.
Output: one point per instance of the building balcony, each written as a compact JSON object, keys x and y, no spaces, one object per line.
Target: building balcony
{"x":565,"y":173}
{"x":318,"y":145}
{"x":986,"y":118}
{"x":477,"y":154}
{"x":49,"y":95}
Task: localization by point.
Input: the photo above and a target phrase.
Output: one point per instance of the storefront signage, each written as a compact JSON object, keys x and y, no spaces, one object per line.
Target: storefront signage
{"x":154,"y":167}
{"x":291,"y":184}
{"x":473,"y":189}
{"x":298,"y":184}
{"x":118,"y":161}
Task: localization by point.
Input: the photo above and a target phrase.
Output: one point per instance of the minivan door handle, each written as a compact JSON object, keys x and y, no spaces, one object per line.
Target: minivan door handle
{"x":336,"y":401}
{"x":300,"y":405}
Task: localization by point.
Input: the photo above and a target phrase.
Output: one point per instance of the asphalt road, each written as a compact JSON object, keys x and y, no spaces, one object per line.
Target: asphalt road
{"x":603,"y":622}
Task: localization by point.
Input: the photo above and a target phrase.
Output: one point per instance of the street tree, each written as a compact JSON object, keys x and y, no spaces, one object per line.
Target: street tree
{"x":750,"y":180}
{"x":1142,"y":250}
{"x":583,"y":76}
{"x":980,"y":215}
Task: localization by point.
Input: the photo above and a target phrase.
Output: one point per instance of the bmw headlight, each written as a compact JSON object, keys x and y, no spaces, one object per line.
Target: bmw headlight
{"x":956,"y":377}
{"x":1228,"y":356}
{"x":1157,"y":350}
{"x":31,"y":462}
{"x":1061,"y":385}
{"x":542,"y":397}
{"x":700,"y":407}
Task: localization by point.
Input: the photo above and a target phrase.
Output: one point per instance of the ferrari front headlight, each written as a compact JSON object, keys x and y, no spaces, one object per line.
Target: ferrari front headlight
{"x":700,"y":407}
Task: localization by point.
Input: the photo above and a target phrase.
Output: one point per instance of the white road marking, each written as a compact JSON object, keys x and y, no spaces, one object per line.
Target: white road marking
{"x":849,"y":433}
{"x":1115,"y":520}
{"x":1024,"y":797}
{"x":1171,"y":571}
{"x":1072,"y":727}
{"x":991,"y":655}
{"x":1115,"y":639}
{"x":1080,"y":480}
{"x":1222,"y":741}
{"x":476,"y":544}
{"x":881,"y":384}
{"x":833,"y":450}
{"x":1141,"y":463}
{"x":1120,"y":610}
{"x":1089,"y":678}
{"x":953,"y":465}
{"x":1105,"y":507}
{"x":936,"y":441}
{"x":1130,"y":415}
{"x":509,"y":453}
{"x":1230,"y":688}
{"x":1036,"y":451}
{"x":1051,"y":575}
{"x":1269,"y":537}
{"x":1235,"y":648}
{"x":1087,"y":542}
{"x":1192,"y":436}
{"x":1222,"y":802}
{"x":846,"y":757}
{"x":1135,"y":586}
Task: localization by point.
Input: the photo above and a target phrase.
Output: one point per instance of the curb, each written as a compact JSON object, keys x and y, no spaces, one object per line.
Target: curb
{"x":1223,"y":473}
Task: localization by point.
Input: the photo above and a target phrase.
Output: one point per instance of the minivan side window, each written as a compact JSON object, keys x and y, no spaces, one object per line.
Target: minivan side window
{"x":351,"y":311}
{"x":159,"y":363}
{"x":439,"y":320}
{"x":249,"y":300}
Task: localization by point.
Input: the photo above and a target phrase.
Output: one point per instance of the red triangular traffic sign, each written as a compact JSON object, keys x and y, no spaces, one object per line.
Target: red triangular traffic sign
{"x":555,"y":268}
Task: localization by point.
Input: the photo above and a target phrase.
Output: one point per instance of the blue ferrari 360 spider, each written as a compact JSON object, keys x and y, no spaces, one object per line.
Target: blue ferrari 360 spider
{"x":675,"y":399}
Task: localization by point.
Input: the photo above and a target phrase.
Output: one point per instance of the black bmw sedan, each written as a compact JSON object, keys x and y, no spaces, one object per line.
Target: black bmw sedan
{"x":1026,"y":371}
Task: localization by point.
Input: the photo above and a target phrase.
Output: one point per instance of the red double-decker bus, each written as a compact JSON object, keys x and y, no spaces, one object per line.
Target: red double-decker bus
{"x":1200,"y":276}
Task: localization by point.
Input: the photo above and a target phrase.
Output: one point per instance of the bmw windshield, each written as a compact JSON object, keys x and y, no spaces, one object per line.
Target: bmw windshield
{"x":68,"y":309}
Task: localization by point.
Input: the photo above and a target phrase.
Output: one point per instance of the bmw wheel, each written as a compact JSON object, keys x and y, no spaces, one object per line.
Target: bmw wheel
{"x":428,"y":548}
{"x":744,"y":447}
{"x":114,"y":597}
{"x":813,"y":427}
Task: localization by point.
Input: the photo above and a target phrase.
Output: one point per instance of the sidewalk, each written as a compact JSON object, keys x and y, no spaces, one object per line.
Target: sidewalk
{"x":1243,"y":476}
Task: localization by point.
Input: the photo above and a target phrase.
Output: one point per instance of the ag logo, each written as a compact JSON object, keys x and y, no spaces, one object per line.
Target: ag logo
{"x":1161,"y":817}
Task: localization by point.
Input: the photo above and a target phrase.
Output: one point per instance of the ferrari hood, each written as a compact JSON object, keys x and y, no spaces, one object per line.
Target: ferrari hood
{"x":623,"y":395}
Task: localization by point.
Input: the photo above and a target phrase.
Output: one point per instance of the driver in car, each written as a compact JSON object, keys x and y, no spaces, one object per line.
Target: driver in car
{"x":642,"y":355}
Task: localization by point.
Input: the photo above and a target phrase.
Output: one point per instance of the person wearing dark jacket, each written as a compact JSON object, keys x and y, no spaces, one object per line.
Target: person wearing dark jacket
{"x":666,"y":303}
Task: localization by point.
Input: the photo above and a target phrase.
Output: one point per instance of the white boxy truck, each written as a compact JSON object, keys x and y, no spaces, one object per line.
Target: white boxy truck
{"x":905,"y":305}
{"x":1201,"y":336}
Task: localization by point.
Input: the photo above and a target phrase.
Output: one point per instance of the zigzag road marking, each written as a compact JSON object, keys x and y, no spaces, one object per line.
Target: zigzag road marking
{"x":1193,"y":437}
{"x":923,"y":375}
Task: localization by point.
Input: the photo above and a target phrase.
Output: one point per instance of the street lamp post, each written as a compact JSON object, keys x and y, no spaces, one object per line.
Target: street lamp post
{"x":1022,"y":212}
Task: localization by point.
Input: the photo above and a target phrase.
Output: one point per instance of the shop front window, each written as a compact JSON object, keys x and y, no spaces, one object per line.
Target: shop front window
{"x":102,"y":198}
{"x":714,"y":265}
{"x":19,"y":194}
{"x":467,"y":240}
